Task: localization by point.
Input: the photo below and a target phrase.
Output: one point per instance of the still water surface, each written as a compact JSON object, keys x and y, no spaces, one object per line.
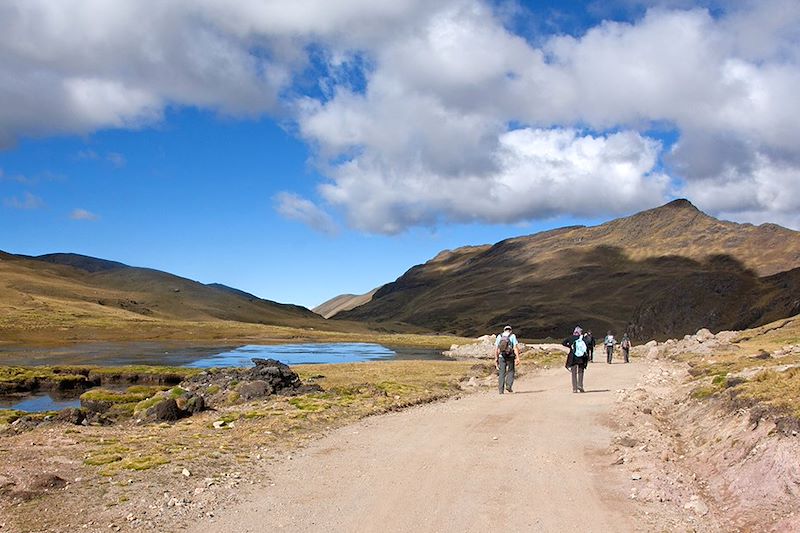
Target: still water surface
{"x":182,"y":354}
{"x":146,"y":353}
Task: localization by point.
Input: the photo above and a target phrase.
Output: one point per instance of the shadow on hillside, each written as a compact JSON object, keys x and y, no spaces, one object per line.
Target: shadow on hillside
{"x":600,"y":288}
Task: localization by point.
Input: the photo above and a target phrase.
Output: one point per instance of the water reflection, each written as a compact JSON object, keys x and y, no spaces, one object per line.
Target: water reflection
{"x":301,"y":354}
{"x":183,"y":354}
{"x":37,"y":403}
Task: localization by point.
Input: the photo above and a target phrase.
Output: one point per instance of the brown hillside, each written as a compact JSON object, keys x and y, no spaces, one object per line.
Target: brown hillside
{"x":662,"y":272}
{"x":343,"y":302}
{"x":60,"y":286}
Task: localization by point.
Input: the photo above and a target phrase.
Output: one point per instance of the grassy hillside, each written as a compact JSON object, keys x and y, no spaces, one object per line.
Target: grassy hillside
{"x":343,"y":302}
{"x":66,"y":297}
{"x":660,"y":273}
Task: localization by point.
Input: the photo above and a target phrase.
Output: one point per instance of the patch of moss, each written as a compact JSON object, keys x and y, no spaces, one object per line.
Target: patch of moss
{"x":144,"y":463}
{"x":7,"y":416}
{"x":309,"y":403}
{"x":720,"y":379}
{"x":102,"y":459}
{"x":213,"y":389}
{"x":706,"y":391}
{"x":232,"y":398}
{"x":392,"y":388}
{"x":147,"y":403}
{"x":229,"y":417}
{"x":132,"y":395}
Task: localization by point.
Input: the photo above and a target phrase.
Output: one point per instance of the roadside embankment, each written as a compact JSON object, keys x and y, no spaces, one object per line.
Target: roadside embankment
{"x":709,"y":434}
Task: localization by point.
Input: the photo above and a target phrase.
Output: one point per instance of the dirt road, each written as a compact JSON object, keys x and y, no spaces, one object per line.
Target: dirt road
{"x":531,"y":461}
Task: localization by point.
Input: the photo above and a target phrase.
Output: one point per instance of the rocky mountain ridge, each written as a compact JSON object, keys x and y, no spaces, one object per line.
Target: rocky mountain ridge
{"x":659,"y":273}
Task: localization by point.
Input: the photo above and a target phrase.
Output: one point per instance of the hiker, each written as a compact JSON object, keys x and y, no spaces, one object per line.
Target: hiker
{"x":625,"y":344}
{"x":590,"y":342}
{"x":576,"y":359}
{"x":506,"y":357}
{"x":609,"y":343}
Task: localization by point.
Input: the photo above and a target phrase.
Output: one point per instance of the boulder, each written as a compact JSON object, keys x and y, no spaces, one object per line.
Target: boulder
{"x":165,"y":411}
{"x":278,"y":375}
{"x":95,"y":406}
{"x":230,"y":385}
{"x":71,"y":415}
{"x":704,"y":335}
{"x":254,"y":389}
{"x":191,"y":402}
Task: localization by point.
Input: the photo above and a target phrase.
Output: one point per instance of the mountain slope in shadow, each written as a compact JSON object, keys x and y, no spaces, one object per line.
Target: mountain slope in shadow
{"x":662,"y":272}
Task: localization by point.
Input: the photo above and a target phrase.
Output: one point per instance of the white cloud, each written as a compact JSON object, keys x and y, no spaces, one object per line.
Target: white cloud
{"x":423,"y":102}
{"x":27,"y":201}
{"x":294,"y":207}
{"x":83,"y":214}
{"x":537,"y":172}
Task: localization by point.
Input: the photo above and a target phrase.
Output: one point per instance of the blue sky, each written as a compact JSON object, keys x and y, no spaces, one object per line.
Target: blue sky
{"x":303,"y":152}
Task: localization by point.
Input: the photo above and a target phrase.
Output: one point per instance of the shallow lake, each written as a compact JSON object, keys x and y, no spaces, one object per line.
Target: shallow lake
{"x":181,"y":354}
{"x":175,"y":354}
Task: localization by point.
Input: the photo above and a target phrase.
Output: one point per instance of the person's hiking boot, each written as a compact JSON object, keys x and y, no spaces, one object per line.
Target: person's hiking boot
{"x":581,"y":389}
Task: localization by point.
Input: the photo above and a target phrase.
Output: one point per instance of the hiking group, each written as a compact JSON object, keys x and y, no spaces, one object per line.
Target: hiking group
{"x":581,"y":352}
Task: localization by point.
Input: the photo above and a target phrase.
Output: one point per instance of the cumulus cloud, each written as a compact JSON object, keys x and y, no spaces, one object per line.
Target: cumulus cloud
{"x":83,"y":214}
{"x":423,"y":110}
{"x":546,"y":172}
{"x":437,"y":104}
{"x":26,"y":202}
{"x":294,"y":207}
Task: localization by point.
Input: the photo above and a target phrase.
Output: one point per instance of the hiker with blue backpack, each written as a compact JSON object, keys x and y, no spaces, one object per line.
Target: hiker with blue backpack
{"x":506,"y":358}
{"x":577,"y":359}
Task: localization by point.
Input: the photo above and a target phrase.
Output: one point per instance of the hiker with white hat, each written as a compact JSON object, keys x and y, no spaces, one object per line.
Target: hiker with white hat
{"x":506,"y":357}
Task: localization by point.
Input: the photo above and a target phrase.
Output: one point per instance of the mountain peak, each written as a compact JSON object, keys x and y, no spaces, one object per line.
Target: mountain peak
{"x":681,"y":203}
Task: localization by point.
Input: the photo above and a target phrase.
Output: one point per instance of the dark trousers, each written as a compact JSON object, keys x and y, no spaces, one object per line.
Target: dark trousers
{"x":609,"y":353}
{"x":577,"y":377}
{"x":626,"y":354}
{"x":590,"y":352}
{"x":506,"y":370}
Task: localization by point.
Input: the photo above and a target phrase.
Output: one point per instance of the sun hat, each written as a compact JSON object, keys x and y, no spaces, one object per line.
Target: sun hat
{"x":577,"y":330}
{"x":507,"y":328}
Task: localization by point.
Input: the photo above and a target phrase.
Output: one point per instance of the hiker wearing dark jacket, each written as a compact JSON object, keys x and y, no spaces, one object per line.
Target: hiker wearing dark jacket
{"x":506,"y":358}
{"x":576,"y":359}
{"x":625,"y":345}
{"x":590,"y":343}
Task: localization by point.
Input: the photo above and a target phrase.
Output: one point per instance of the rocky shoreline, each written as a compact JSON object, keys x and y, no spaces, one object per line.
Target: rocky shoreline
{"x":166,"y":396}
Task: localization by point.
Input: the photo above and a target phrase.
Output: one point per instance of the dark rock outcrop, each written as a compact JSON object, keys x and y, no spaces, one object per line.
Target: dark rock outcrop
{"x":71,"y":415}
{"x":165,"y":411}
{"x":267,"y":377}
{"x":191,"y":403}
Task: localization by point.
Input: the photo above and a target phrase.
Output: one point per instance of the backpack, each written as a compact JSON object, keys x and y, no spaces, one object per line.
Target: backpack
{"x":626,"y":343}
{"x":579,"y":347}
{"x":506,"y":346}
